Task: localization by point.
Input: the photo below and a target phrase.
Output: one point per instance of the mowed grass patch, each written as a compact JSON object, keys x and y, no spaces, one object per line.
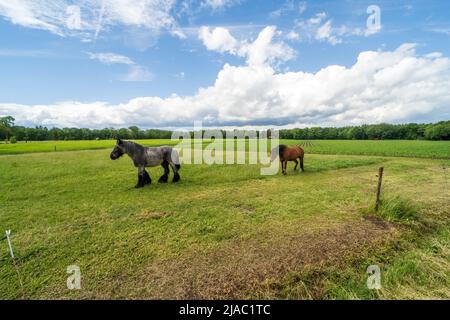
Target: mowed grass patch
{"x":81,"y":207}
{"x":388,"y":148}
{"x":176,"y":240}
{"x":71,"y":145}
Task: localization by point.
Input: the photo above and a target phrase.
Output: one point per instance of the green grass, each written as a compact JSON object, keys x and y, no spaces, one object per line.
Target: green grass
{"x":49,"y":146}
{"x":391,"y":148}
{"x":224,"y":231}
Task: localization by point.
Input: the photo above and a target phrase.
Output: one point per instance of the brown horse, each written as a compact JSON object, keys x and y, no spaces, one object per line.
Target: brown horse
{"x":288,"y":154}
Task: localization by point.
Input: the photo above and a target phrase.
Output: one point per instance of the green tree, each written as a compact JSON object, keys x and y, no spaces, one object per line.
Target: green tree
{"x":6,"y":124}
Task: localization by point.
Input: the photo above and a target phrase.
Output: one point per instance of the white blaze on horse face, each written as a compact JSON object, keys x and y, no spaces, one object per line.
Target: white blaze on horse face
{"x":213,"y":153}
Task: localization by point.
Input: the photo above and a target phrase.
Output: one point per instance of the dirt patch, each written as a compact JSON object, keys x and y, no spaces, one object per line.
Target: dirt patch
{"x":245,"y":208}
{"x":376,"y":221}
{"x":243,"y":268}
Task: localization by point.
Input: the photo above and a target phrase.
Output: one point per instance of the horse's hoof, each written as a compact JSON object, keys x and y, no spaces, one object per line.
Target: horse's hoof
{"x":163,"y":179}
{"x":176,"y":178}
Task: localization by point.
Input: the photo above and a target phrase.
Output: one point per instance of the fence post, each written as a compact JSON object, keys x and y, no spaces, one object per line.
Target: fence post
{"x":380,"y":180}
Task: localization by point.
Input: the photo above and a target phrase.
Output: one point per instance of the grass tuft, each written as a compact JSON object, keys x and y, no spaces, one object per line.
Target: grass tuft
{"x":395,"y":209}
{"x":398,"y":209}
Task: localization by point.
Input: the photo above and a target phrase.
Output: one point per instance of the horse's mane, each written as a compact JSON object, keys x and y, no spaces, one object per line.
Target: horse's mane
{"x":281,"y":148}
{"x":132,"y":147}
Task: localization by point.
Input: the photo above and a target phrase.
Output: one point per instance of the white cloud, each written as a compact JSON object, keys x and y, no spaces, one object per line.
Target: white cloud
{"x":325,"y":32}
{"x":445,"y":31}
{"x":289,"y":6}
{"x":302,"y":6}
{"x":96,"y":15}
{"x":263,"y":50}
{"x":219,"y":39}
{"x":217,"y":4}
{"x":136,"y":73}
{"x":319,"y":28}
{"x":392,"y":86}
{"x":110,"y":58}
{"x":292,"y":35}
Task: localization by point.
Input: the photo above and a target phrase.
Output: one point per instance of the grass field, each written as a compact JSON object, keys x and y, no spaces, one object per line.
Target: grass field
{"x":225,"y":231}
{"x":395,"y":148}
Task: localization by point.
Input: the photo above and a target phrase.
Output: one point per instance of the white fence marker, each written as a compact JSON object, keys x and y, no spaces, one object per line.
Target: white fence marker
{"x":8,"y":233}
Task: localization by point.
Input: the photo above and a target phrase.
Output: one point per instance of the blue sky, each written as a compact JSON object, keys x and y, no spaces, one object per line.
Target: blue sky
{"x":168,"y":53}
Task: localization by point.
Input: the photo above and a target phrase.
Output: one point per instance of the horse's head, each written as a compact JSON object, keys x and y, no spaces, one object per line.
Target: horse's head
{"x":273,"y":154}
{"x":118,"y":150}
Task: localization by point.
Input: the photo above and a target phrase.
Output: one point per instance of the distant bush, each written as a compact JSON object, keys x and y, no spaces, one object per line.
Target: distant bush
{"x":13,"y":140}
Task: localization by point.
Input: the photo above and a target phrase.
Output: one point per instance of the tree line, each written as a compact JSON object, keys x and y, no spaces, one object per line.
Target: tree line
{"x":383,"y":131}
{"x":412,"y":131}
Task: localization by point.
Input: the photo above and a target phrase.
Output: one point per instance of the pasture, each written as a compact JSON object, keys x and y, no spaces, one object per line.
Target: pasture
{"x":394,"y":148}
{"x":225,"y":231}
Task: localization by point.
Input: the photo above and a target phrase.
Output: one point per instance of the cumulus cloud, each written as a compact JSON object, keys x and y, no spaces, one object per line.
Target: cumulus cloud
{"x":392,"y":86}
{"x":263,"y":50}
{"x":218,"y":39}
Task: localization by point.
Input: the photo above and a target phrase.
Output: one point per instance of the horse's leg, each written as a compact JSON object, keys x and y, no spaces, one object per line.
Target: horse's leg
{"x":147,"y":179}
{"x":284,"y":166}
{"x":165,"y":176}
{"x":141,"y":178}
{"x":176,"y":175}
{"x":296,"y":164}
{"x":301,"y":164}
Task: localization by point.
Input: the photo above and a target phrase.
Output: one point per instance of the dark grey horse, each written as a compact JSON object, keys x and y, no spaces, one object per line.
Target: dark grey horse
{"x":148,"y":157}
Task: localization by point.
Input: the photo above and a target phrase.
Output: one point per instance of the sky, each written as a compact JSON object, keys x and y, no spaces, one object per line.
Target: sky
{"x":227,"y":63}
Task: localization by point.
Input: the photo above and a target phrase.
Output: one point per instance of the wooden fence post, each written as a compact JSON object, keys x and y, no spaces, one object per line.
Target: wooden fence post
{"x":380,"y":180}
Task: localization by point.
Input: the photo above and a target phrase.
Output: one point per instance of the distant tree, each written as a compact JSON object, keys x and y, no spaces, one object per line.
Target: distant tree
{"x":6,"y":124}
{"x":439,"y":131}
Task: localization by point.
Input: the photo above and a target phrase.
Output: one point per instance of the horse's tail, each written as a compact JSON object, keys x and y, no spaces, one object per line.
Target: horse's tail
{"x":175,"y":158}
